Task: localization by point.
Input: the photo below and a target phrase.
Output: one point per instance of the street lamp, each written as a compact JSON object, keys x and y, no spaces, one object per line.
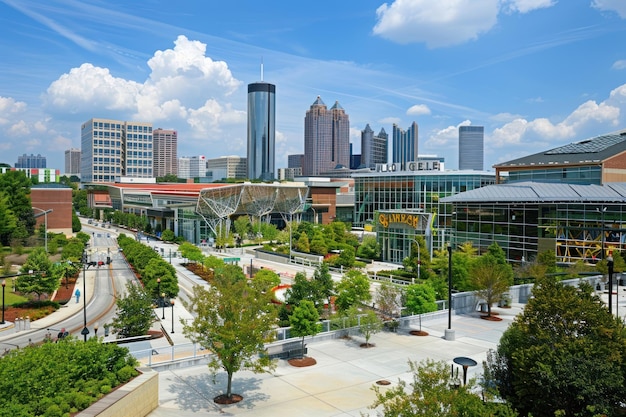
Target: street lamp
{"x":290,"y":225}
{"x":601,"y":210}
{"x":4,"y":283}
{"x":419,"y":262}
{"x":163,"y":305}
{"x":158,"y":286}
{"x":45,"y":225}
{"x":172,"y":303}
{"x":85,"y":330}
{"x":449,"y":333}
{"x":609,"y":262}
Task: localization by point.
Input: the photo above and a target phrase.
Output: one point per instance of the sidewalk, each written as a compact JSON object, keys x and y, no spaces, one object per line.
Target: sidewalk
{"x":341,"y":381}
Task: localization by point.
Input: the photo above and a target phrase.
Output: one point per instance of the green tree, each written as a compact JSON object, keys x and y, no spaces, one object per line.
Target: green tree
{"x":430,"y":395}
{"x":420,"y":298}
{"x":369,"y":248}
{"x":39,"y":278}
{"x":157,"y":269}
{"x":563,"y":354}
{"x":302,"y":244}
{"x":303,"y":289}
{"x":548,"y":260}
{"x":190,"y":251}
{"x":369,"y":324}
{"x":233,"y":320}
{"x":388,"y":298}
{"x":324,"y":285}
{"x":134,"y":312}
{"x":8,"y":220}
{"x":265,"y":280}
{"x":419,"y":254}
{"x":242,"y":226}
{"x":353,"y":289}
{"x":491,"y":279}
{"x":303,"y":321}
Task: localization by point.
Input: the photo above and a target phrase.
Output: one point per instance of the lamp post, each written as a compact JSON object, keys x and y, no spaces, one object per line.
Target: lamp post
{"x":158,"y":287}
{"x":609,"y":262}
{"x":449,"y":333}
{"x":419,"y":261}
{"x":45,"y":224}
{"x":172,"y":303}
{"x":163,"y":305}
{"x":95,"y":329}
{"x":290,"y":225}
{"x":601,"y":210}
{"x":4,"y":283}
{"x":85,"y":330}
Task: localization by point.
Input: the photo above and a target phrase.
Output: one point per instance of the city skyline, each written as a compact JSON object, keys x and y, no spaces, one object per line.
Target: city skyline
{"x":535,"y":74}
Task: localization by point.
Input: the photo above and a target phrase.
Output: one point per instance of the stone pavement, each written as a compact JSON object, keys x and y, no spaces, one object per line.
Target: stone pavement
{"x":341,"y":381}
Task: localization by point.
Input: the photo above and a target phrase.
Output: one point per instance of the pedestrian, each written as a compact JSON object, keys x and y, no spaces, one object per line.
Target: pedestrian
{"x":77,"y":294}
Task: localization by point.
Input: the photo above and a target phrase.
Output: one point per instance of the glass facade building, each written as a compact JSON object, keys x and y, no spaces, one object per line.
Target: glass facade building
{"x":471,"y":147}
{"x":261,"y":131}
{"x":373,"y":147}
{"x":404,"y":144}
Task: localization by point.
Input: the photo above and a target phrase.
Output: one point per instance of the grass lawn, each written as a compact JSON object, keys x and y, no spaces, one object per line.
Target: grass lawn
{"x":9,"y":297}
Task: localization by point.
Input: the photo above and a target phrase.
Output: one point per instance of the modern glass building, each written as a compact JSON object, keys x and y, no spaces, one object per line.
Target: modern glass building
{"x":111,"y":149}
{"x":374,"y":148}
{"x":404,"y":144}
{"x":415,"y":195}
{"x":261,"y":131}
{"x":471,"y":147}
{"x":326,"y":138}
{"x":577,"y":222}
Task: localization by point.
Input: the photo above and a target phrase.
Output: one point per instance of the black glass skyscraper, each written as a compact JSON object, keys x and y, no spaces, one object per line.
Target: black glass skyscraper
{"x":261,"y":130}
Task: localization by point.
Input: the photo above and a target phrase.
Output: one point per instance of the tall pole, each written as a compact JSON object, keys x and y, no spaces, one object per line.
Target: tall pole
{"x":609,"y":262}
{"x":163,"y":305}
{"x":172,"y":303}
{"x":419,"y":261}
{"x":85,"y":330}
{"x":449,"y":287}
{"x":4,"y":283}
{"x":290,"y":224}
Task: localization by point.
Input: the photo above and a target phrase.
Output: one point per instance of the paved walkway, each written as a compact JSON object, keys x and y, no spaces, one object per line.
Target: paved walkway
{"x":341,"y":381}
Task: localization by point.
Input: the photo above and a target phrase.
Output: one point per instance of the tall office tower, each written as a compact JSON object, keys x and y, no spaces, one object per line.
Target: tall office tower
{"x":31,"y":161}
{"x":471,"y":149}
{"x":373,"y":147}
{"x":192,"y":167}
{"x":165,"y":155}
{"x":404,"y":144}
{"x":261,"y":130}
{"x":326,"y":138}
{"x":112,"y":149}
{"x":295,"y":161}
{"x":226,"y":167}
{"x":72,"y":161}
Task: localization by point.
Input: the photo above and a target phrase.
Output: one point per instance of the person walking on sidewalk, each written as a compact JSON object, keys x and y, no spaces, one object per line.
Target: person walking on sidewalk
{"x":77,"y":294}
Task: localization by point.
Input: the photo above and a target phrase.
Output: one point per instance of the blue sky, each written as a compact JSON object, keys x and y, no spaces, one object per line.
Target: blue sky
{"x":536,"y":73}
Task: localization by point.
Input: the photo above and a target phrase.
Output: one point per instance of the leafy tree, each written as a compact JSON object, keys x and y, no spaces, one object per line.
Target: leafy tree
{"x":346,"y":257}
{"x":324,"y":284}
{"x":388,"y":298}
{"x":269,"y":231}
{"x":491,"y":279}
{"x":232,"y":319}
{"x":41,"y":280}
{"x":411,"y":262}
{"x":157,"y":269}
{"x":167,"y":235}
{"x":242,"y":226}
{"x":265,"y":280}
{"x":190,"y":251}
{"x":353,"y":289}
{"x":548,"y":260}
{"x":319,"y":243}
{"x":369,"y":324}
{"x":134,"y":312}
{"x":302,"y":244}
{"x":430,"y":395}
{"x":369,"y":248}
{"x":304,"y":321}
{"x":563,"y":354}
{"x":15,"y":186}
{"x":304,"y":289}
{"x":420,"y":298}
{"x":8,"y":220}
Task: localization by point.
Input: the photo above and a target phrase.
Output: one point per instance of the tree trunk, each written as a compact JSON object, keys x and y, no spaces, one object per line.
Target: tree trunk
{"x":302,"y":351}
{"x":229,"y":385}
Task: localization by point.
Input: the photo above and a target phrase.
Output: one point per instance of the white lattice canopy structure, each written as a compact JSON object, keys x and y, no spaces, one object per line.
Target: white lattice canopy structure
{"x":217,"y":205}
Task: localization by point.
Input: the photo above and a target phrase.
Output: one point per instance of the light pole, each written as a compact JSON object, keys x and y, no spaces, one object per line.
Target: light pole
{"x":45,"y":224}
{"x":419,"y":261}
{"x":4,"y":283}
{"x":449,"y":333}
{"x":290,"y":225}
{"x":163,"y":305}
{"x":158,"y":287}
{"x":85,"y":330}
{"x":172,"y":303}
{"x":609,"y":262}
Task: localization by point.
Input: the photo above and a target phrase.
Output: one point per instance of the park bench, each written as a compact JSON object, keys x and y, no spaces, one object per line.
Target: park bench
{"x":289,"y":350}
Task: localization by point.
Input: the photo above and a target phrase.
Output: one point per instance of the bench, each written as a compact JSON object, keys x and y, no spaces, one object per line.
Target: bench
{"x":287,"y":351}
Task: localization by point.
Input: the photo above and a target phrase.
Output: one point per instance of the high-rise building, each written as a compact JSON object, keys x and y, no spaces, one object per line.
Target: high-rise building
{"x":192,"y":167}
{"x":326,"y":138}
{"x":261,"y":130}
{"x":374,"y":148}
{"x":226,"y":167}
{"x":31,"y":161}
{"x":295,"y":161}
{"x":471,"y":149}
{"x":72,"y":161}
{"x":165,"y":155}
{"x":404,"y":145}
{"x":112,"y":149}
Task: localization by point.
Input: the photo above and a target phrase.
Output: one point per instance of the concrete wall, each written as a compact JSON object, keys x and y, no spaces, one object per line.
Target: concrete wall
{"x":138,"y":398}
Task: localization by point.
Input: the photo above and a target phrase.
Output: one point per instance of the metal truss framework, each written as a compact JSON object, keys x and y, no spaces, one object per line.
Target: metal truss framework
{"x":217,"y":205}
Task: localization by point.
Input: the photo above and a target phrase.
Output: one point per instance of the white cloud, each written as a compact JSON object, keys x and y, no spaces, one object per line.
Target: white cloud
{"x":19,"y":128}
{"x":619,"y":65}
{"x":8,"y":108}
{"x":505,"y":117}
{"x":445,"y":22}
{"x":435,"y":23}
{"x":525,"y":6}
{"x":448,"y":136}
{"x":418,"y":110}
{"x":208,"y":121}
{"x":389,"y":121}
{"x":617,"y":6}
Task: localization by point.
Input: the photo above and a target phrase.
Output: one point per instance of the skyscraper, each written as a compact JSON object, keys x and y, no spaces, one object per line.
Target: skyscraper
{"x":31,"y":161}
{"x":111,"y":149}
{"x":404,"y":144}
{"x":373,"y":147}
{"x":261,"y":130}
{"x":165,"y":156}
{"x":72,"y":161}
{"x":471,"y":149}
{"x":326,"y":138}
